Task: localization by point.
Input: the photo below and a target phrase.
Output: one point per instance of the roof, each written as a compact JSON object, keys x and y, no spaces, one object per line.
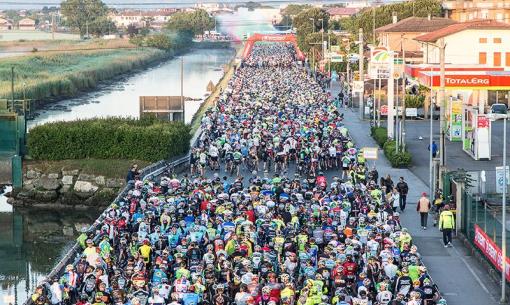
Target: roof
{"x":27,"y":21}
{"x":155,"y":13}
{"x":343,"y":11}
{"x":4,"y":21}
{"x":417,"y":25}
{"x":479,"y":24}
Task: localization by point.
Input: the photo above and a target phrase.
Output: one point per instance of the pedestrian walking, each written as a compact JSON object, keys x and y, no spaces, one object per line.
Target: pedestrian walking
{"x":423,"y":207}
{"x":446,"y":225}
{"x":403,"y":189}
{"x":434,"y":149}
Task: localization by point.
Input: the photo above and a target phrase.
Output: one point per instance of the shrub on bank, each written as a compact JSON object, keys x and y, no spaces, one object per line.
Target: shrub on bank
{"x":401,"y":159}
{"x":111,"y":138}
{"x":380,"y":135}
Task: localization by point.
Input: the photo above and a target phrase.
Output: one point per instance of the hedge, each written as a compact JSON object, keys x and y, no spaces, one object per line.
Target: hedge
{"x":380,"y":135}
{"x":109,"y":138}
{"x":400,"y":159}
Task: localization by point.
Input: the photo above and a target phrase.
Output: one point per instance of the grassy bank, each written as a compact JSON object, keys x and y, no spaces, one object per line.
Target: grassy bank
{"x":116,"y":168}
{"x":65,"y":74}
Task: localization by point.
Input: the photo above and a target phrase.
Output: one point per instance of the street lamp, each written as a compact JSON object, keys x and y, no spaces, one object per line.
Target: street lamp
{"x":504,"y":117}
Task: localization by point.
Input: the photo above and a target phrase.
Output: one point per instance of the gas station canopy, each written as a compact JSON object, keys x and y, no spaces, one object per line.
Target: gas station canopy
{"x":461,"y":77}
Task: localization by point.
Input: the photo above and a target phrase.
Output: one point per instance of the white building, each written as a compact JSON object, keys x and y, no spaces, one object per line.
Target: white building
{"x":477,"y":42}
{"x":140,"y":18}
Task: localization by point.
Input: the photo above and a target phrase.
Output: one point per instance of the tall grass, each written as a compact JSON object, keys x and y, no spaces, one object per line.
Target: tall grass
{"x":65,"y":74}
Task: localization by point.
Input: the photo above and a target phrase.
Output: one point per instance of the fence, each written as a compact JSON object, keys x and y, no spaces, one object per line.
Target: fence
{"x":148,"y":172}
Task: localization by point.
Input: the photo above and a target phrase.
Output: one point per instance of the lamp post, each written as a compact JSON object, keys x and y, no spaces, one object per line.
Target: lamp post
{"x":504,"y":117}
{"x":313,"y":48}
{"x":431,"y":155}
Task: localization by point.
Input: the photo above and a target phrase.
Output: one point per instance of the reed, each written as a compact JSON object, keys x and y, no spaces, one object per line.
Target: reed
{"x":65,"y":74}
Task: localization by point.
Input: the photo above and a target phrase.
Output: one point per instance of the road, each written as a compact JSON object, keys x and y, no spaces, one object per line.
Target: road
{"x":461,"y":279}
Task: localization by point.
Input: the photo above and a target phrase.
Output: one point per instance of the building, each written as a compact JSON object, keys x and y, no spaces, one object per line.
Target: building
{"x":465,"y":10}
{"x":337,"y":13}
{"x":26,"y":24}
{"x":141,"y":18}
{"x":5,"y":24}
{"x":477,"y":42}
{"x":400,"y":34}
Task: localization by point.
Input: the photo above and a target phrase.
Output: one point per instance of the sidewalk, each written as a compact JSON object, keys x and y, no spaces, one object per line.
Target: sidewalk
{"x":458,"y":275}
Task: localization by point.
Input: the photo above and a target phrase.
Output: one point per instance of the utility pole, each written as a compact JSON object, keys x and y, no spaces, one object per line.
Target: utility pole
{"x":373,"y":26}
{"x":12,"y":86}
{"x":53,"y":26}
{"x":402,"y":131}
{"x":87,"y":28}
{"x":329,"y":52}
{"x":361,"y":78}
{"x":397,"y":127}
{"x":182,"y":90}
{"x":391,"y":96}
{"x":442,"y":95}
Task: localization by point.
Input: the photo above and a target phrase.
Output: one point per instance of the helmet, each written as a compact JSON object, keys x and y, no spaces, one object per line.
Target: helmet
{"x":441,"y":302}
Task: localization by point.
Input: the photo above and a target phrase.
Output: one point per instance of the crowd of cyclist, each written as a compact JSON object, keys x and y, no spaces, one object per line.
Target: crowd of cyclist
{"x":282,"y":234}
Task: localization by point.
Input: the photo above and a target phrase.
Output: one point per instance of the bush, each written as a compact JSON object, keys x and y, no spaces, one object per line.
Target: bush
{"x":414,"y":101}
{"x":112,"y":138}
{"x":400,"y":159}
{"x":380,"y":135}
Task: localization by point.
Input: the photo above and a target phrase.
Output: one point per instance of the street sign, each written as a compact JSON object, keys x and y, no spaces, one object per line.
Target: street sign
{"x":358,"y":86}
{"x":380,"y":62}
{"x":370,"y":153}
{"x":412,"y":112}
{"x":384,"y":110}
{"x":500,"y":178}
{"x":336,"y":57}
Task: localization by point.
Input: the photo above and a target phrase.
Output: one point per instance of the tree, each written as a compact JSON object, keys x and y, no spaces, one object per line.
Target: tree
{"x":159,"y":41}
{"x":294,"y":9}
{"x":195,"y":22}
{"x":418,"y":8}
{"x":87,"y":15}
{"x":307,"y":22}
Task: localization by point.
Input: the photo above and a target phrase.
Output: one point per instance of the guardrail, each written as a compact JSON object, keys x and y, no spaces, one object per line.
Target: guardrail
{"x":147,"y":172}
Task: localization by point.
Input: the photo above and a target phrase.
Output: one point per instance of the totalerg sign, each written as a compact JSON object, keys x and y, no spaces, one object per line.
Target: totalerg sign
{"x":491,"y":250}
{"x":467,"y":81}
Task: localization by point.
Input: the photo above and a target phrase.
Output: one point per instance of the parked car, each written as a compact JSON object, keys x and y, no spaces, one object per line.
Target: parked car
{"x":499,"y":108}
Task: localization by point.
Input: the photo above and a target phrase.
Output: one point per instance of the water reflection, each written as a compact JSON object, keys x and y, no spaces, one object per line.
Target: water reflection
{"x":31,"y":242}
{"x":122,"y":98}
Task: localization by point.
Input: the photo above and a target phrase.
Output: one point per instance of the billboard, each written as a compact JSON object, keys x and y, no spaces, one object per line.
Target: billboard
{"x":380,"y":63}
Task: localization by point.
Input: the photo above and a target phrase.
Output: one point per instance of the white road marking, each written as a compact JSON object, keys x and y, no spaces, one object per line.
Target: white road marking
{"x":470,"y":270}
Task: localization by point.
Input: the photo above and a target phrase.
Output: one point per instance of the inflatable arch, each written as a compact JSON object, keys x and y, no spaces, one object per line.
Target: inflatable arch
{"x":271,"y":38}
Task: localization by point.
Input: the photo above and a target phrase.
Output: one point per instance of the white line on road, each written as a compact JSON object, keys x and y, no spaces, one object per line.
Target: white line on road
{"x":471,"y":270}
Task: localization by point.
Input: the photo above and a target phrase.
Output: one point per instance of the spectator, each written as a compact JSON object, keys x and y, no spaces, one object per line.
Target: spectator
{"x":403,"y":189}
{"x":423,"y":207}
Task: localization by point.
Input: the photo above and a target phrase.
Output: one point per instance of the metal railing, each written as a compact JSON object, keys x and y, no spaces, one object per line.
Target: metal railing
{"x":148,"y":172}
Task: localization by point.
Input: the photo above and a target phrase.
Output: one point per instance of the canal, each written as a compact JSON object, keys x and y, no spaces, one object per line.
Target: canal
{"x":31,"y":242}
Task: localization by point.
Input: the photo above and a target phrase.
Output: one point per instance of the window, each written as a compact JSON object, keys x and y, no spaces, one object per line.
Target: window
{"x":482,"y":40}
{"x":497,"y":59}
{"x":507,"y":59}
{"x":482,"y":58}
{"x":497,"y":40}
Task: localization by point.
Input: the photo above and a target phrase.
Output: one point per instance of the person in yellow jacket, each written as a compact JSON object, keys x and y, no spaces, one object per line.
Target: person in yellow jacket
{"x":446,"y":225}
{"x":145,"y":251}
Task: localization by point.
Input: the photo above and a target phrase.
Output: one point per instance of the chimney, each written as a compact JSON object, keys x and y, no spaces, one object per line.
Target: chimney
{"x":429,"y":17}
{"x":395,"y":18}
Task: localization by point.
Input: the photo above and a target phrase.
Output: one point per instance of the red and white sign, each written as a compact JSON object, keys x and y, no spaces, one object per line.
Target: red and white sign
{"x":483,"y":122}
{"x":491,"y":250}
{"x":384,"y":110}
{"x":478,"y":79}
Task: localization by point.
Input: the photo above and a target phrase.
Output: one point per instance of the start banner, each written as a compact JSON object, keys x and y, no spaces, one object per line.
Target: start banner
{"x":491,"y":250}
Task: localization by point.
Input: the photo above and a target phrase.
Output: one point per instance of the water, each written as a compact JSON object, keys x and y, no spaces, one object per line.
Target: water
{"x":31,"y":242}
{"x":122,"y":98}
